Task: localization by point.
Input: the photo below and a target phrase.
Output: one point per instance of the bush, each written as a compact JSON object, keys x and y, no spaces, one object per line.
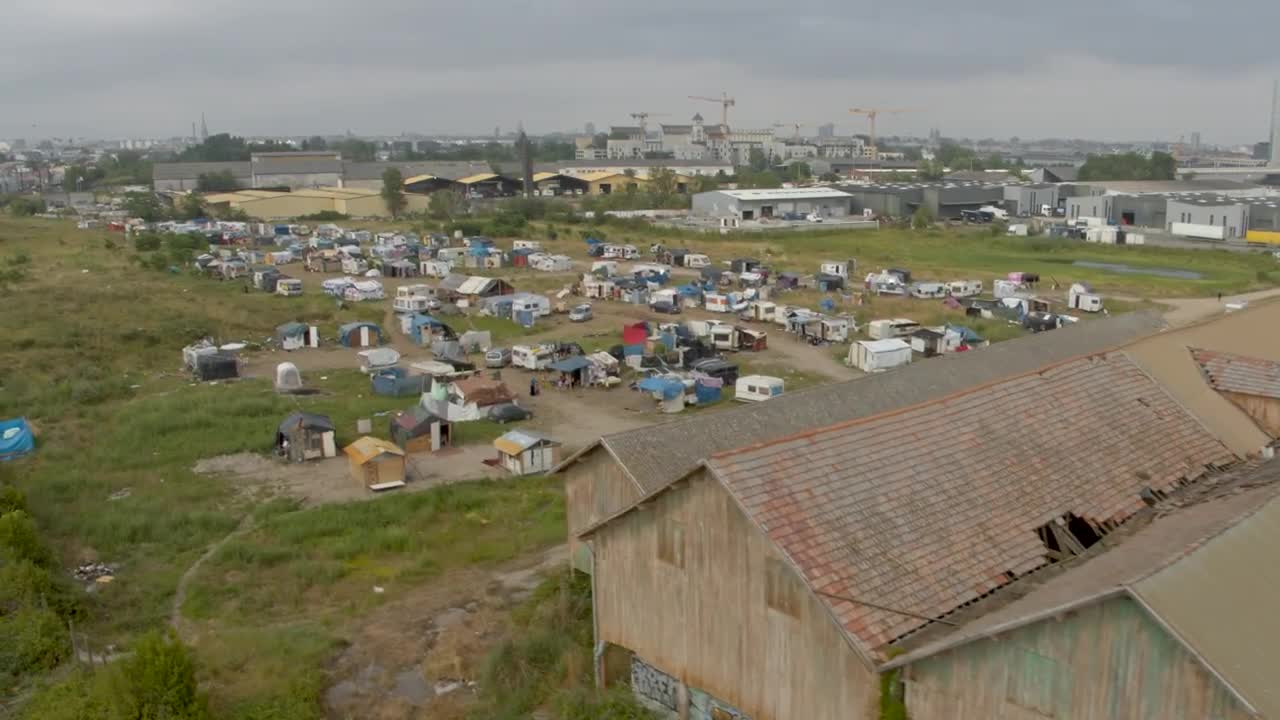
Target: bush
{"x":19,"y":540}
{"x":325,"y":216}
{"x":34,"y":640}
{"x":157,"y":681}
{"x":26,"y":207}
{"x":147,"y":242}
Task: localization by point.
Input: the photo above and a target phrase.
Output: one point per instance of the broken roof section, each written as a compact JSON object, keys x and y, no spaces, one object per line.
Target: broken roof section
{"x":1239,"y":374}
{"x":914,"y":513}
{"x":1199,"y":562}
{"x":658,"y":455}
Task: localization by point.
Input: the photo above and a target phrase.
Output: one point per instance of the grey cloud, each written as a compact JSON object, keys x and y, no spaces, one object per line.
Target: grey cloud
{"x":71,"y":57}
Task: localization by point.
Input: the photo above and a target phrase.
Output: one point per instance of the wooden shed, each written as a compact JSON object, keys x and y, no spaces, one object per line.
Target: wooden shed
{"x":526,"y":453}
{"x":420,"y":430}
{"x":375,"y":463}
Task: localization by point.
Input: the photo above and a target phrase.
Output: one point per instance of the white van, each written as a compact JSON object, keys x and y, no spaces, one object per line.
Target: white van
{"x":755,"y":388}
{"x":531,"y":357}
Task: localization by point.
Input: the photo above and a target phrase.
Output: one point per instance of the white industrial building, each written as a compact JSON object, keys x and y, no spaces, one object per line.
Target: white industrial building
{"x":1209,"y":219}
{"x":823,"y":202}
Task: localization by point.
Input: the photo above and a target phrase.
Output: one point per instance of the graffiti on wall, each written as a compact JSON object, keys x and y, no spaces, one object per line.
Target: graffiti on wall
{"x":653,"y":684}
{"x":704,"y":707}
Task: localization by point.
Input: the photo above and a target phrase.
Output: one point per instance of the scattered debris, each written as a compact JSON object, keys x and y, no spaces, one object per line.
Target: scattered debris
{"x":378,"y":590}
{"x":120,"y":494}
{"x":94,"y":571}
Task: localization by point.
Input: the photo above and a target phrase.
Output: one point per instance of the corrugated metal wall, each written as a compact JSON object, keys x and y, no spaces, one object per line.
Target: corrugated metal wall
{"x":1109,"y":661}
{"x":683,"y":585}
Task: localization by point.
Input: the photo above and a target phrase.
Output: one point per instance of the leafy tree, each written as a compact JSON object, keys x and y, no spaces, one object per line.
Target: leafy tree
{"x":662,"y":182}
{"x":705,"y":183}
{"x":930,"y":170}
{"x":80,"y":177}
{"x":190,"y":207}
{"x":829,"y":177}
{"x":315,"y":142}
{"x":799,"y":171}
{"x":446,"y":205}
{"x":222,"y":147}
{"x":143,"y":205}
{"x":358,"y":150}
{"x":1128,"y":166}
{"x":25,"y":206}
{"x":757,"y":160}
{"x":127,"y":167}
{"x":921,"y":219}
{"x":158,"y":681}
{"x":220,"y":181}
{"x":393,"y":191}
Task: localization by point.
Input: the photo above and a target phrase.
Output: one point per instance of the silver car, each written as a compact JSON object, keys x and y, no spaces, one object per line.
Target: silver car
{"x":497,"y":358}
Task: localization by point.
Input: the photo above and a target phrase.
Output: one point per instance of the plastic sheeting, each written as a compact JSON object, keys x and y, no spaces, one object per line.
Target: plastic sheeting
{"x":635,"y":334}
{"x":16,"y":439}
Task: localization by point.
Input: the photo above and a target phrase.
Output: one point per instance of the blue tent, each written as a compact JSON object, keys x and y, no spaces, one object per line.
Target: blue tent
{"x":573,"y":363}
{"x":419,"y":322}
{"x":395,"y":382}
{"x":670,"y":388}
{"x":16,"y":439}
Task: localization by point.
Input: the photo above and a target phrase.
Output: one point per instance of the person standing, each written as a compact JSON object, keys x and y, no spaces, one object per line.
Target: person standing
{"x":533,"y":387}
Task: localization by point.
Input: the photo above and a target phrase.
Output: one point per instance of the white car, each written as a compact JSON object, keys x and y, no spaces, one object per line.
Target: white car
{"x":580,"y":313}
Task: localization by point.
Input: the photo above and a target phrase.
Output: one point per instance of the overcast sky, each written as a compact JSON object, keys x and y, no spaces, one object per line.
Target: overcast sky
{"x":1105,"y":69}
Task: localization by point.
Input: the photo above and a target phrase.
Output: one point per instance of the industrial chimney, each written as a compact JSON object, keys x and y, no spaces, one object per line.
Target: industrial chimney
{"x":1275,"y":125}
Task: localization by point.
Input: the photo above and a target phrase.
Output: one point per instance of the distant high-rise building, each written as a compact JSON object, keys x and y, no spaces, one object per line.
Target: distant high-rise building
{"x":497,"y":131}
{"x":589,"y":128}
{"x":1261,"y":151}
{"x":1195,"y":143}
{"x":1275,"y":124}
{"x":204,"y":129}
{"x":827,"y":131}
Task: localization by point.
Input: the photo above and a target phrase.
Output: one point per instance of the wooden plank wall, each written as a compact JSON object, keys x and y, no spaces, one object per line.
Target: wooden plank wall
{"x":595,"y":488}
{"x":1108,"y":661}
{"x":708,"y":623}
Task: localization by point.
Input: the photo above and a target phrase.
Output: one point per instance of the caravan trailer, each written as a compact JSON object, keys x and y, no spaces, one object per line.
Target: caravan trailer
{"x":888,"y":329}
{"x":716,"y":302}
{"x":965,"y":288}
{"x":532,"y":357}
{"x":928,"y":290}
{"x":696,"y":260}
{"x":757,"y":388}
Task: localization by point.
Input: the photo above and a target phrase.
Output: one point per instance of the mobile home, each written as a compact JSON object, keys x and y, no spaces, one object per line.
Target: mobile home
{"x":879,"y":355}
{"x":756,"y":388}
{"x":888,"y":329}
{"x":964,"y":288}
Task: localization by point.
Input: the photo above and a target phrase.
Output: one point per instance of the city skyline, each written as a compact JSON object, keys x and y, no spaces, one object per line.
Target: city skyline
{"x":140,"y":69}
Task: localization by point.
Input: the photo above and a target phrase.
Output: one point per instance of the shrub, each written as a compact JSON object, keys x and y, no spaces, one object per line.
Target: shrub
{"x":33,"y":640}
{"x":147,"y":242}
{"x":158,"y":681}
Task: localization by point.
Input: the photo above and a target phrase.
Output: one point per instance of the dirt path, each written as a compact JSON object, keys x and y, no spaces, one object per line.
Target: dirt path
{"x":180,"y":594}
{"x":420,"y":656}
{"x":1184,"y":311}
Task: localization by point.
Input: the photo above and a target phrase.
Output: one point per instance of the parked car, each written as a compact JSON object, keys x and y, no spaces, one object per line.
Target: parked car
{"x":434,"y":304}
{"x":509,"y":413}
{"x":665,"y":308}
{"x":499,"y":357}
{"x":717,"y":368}
{"x":580,"y":313}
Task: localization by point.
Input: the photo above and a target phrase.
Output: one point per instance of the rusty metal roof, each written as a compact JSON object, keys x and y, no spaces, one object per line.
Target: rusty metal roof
{"x":914,"y":513}
{"x":1239,"y":374}
{"x":660,"y":454}
{"x":1201,"y":564}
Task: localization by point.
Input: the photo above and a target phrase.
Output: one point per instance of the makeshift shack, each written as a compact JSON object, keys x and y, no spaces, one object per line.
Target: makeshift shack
{"x":935,"y":341}
{"x":16,"y":438}
{"x":295,"y":335}
{"x":521,"y":452}
{"x":217,"y":366}
{"x":360,"y":334}
{"x":397,"y":382}
{"x":467,"y":399}
{"x":305,"y":436}
{"x":376,"y":464}
{"x":879,"y":355}
{"x":573,"y":368}
{"x":377,"y":359}
{"x":419,"y":430}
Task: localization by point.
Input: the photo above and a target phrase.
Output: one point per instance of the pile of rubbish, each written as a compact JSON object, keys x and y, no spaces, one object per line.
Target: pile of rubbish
{"x":90,"y":572}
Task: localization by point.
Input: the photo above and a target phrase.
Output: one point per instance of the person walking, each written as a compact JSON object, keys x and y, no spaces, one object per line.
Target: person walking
{"x":533,"y":387}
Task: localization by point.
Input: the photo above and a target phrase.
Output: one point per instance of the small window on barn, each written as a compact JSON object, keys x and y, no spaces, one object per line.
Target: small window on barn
{"x":671,"y":542}
{"x":782,"y":588}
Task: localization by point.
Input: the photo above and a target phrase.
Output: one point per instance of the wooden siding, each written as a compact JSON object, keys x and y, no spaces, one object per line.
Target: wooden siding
{"x":1107,"y":661}
{"x":702,"y":614}
{"x":1265,"y":411}
{"x":595,"y":488}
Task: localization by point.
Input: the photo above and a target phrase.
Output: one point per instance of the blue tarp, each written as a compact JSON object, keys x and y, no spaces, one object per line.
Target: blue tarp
{"x":629,"y":350}
{"x":394,"y":382}
{"x":967,"y":335}
{"x":573,"y":363}
{"x":669,"y":388}
{"x":16,"y":438}
{"x":827,"y":305}
{"x":422,"y":321}
{"x":707,"y":394}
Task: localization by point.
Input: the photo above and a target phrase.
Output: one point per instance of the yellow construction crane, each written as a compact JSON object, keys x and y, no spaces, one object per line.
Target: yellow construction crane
{"x":871,"y":114}
{"x":724,"y":101}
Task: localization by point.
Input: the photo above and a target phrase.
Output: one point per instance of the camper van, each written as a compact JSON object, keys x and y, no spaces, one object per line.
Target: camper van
{"x":965,"y":288}
{"x":717,"y":303}
{"x":928,"y":290}
{"x":289,"y":287}
{"x":531,"y":357}
{"x":756,"y":388}
{"x":724,"y":337}
{"x":696,"y":260}
{"x":762,"y":311}
{"x":888,"y":329}
{"x":840,"y":269}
